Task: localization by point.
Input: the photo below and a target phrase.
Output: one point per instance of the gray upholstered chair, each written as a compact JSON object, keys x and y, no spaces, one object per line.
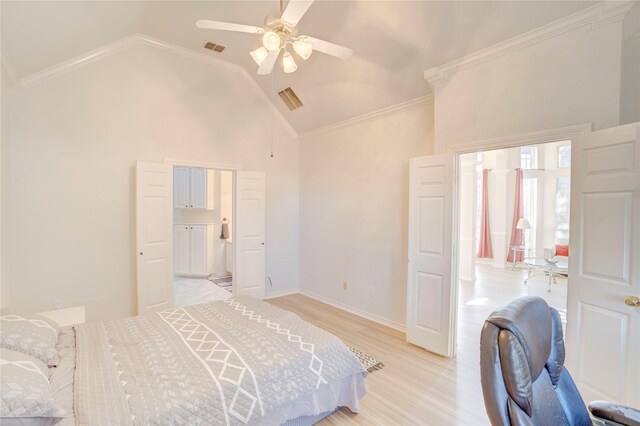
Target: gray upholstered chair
{"x":524,"y":381}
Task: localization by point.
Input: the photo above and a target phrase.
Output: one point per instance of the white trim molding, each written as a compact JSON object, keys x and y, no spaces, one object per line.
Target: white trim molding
{"x":597,"y":16}
{"x":533,"y":138}
{"x":202,"y":164}
{"x":280,"y":293}
{"x":109,"y":49}
{"x":366,"y":315}
{"x":403,"y":106}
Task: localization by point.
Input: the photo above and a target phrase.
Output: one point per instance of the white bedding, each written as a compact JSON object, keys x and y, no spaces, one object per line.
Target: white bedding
{"x":61,"y":377}
{"x":342,"y":391}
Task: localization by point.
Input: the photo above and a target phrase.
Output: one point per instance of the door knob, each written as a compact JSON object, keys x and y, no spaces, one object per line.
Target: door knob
{"x":632,"y":301}
{"x":140,"y":253}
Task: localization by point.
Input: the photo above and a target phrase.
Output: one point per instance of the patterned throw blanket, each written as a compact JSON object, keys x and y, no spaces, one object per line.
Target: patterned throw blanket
{"x":227,"y":362}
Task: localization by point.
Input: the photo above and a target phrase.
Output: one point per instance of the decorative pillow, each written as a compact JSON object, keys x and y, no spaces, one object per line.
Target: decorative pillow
{"x":31,"y":334}
{"x":562,"y":250}
{"x":25,"y":394}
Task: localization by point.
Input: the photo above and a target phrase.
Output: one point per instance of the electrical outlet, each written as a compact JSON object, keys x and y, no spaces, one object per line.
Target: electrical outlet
{"x":345,"y":285}
{"x":58,"y":304}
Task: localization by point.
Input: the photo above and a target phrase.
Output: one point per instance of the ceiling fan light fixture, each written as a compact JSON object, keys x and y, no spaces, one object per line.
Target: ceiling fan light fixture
{"x":303,"y":49}
{"x":259,"y":55}
{"x":288,"y":63}
{"x":271,"y":40}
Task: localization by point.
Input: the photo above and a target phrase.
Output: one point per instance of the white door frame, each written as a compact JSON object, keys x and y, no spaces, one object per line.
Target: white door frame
{"x":535,"y":138}
{"x":204,"y":165}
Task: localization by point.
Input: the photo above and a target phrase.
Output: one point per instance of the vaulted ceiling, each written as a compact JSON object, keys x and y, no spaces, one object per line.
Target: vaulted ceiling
{"x":393,"y":42}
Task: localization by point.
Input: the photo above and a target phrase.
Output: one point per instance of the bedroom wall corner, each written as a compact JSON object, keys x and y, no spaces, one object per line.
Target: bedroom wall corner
{"x":76,"y":139}
{"x":5,"y":224}
{"x":563,"y":75}
{"x":630,"y":78}
{"x":354,"y":184}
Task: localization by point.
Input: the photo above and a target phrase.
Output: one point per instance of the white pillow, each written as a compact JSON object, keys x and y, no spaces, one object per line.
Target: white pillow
{"x":31,"y":334}
{"x":25,"y":394}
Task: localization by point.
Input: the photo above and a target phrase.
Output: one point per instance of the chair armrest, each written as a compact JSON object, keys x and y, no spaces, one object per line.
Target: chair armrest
{"x":615,"y":413}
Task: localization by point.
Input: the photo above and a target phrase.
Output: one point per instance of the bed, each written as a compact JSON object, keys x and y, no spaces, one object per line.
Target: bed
{"x":237,"y":361}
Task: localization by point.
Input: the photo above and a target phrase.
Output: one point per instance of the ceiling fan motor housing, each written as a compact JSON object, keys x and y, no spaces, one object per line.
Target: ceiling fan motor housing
{"x":273,"y":22}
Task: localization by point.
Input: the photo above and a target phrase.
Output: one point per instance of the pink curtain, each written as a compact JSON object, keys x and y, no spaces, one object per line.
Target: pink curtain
{"x":484,"y":248}
{"x":518,"y":212}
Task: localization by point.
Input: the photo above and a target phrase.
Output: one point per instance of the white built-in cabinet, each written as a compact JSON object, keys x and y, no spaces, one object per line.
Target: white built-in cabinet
{"x":193,"y":249}
{"x":193,"y":188}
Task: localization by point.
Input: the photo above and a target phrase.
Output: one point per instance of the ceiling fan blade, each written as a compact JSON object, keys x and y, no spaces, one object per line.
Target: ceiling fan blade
{"x":228,"y":26}
{"x":328,"y":47}
{"x":267,"y":65}
{"x":295,"y":11}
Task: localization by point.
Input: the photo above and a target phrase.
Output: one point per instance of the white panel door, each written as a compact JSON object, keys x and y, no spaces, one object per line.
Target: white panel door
{"x":154,"y":217}
{"x":181,"y":249}
{"x":603,"y":333}
{"x":198,"y":188}
{"x":198,"y":250}
{"x":181,"y":187}
{"x":249,"y":235}
{"x":430,"y":292}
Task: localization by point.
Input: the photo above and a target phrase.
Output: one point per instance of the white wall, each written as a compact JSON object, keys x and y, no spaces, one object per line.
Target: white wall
{"x":72,"y":151}
{"x":569,"y":79}
{"x":354,"y":183}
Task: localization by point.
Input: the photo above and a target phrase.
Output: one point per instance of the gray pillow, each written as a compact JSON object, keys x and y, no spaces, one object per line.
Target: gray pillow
{"x":25,"y":394}
{"x":31,"y":334}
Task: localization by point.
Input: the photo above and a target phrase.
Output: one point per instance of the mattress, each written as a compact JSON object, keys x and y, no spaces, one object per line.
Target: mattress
{"x":268,"y":367}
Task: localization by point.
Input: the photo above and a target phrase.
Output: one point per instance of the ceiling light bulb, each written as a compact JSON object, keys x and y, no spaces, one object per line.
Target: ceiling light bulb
{"x":288,"y":62}
{"x":303,"y":49}
{"x":259,"y":55}
{"x":271,"y":41}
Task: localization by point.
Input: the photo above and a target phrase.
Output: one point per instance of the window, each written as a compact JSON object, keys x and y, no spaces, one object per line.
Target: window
{"x":478,"y":209}
{"x":528,"y":158}
{"x":478,"y":198}
{"x":564,"y":156}
{"x":563,"y":193}
{"x":530,"y":198}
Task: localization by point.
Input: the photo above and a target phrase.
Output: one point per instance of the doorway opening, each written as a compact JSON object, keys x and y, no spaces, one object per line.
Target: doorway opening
{"x":203,"y":218}
{"x":513,"y":231}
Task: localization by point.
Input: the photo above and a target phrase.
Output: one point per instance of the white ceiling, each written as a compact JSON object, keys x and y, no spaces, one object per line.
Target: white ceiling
{"x":393,"y":41}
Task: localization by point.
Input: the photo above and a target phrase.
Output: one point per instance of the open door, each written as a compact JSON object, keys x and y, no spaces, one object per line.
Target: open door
{"x":154,"y":233}
{"x":249,"y":235}
{"x":430,"y":290}
{"x":603,"y":332}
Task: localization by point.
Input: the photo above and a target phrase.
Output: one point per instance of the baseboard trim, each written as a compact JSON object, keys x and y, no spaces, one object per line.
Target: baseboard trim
{"x":281,"y":293}
{"x":366,"y":315}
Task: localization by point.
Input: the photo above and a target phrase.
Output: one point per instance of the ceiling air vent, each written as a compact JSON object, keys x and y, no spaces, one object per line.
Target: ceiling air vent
{"x":214,"y":47}
{"x":290,"y":98}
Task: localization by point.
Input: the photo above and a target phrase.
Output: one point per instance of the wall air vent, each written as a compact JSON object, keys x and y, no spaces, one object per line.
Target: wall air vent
{"x":214,"y":47}
{"x":290,"y":98}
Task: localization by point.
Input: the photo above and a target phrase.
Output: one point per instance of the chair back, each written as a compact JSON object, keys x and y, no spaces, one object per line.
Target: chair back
{"x":524,"y":381}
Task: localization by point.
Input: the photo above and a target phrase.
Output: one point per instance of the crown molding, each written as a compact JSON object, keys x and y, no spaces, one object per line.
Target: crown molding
{"x":7,"y":68}
{"x":403,"y":106}
{"x":633,"y":39}
{"x":109,"y":49}
{"x":533,"y":138}
{"x":596,"y":16}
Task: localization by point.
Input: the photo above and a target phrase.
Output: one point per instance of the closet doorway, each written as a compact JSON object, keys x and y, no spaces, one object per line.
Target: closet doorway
{"x":185,"y":248}
{"x":203,"y":218}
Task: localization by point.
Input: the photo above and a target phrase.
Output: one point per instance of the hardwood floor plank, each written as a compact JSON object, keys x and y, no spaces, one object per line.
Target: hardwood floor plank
{"x":417,"y":387}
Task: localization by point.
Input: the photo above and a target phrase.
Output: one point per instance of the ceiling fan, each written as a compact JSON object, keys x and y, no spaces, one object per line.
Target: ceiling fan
{"x":279,"y":33}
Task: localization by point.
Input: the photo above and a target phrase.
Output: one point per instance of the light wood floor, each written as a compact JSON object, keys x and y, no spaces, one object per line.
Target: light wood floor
{"x":416,"y":386}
